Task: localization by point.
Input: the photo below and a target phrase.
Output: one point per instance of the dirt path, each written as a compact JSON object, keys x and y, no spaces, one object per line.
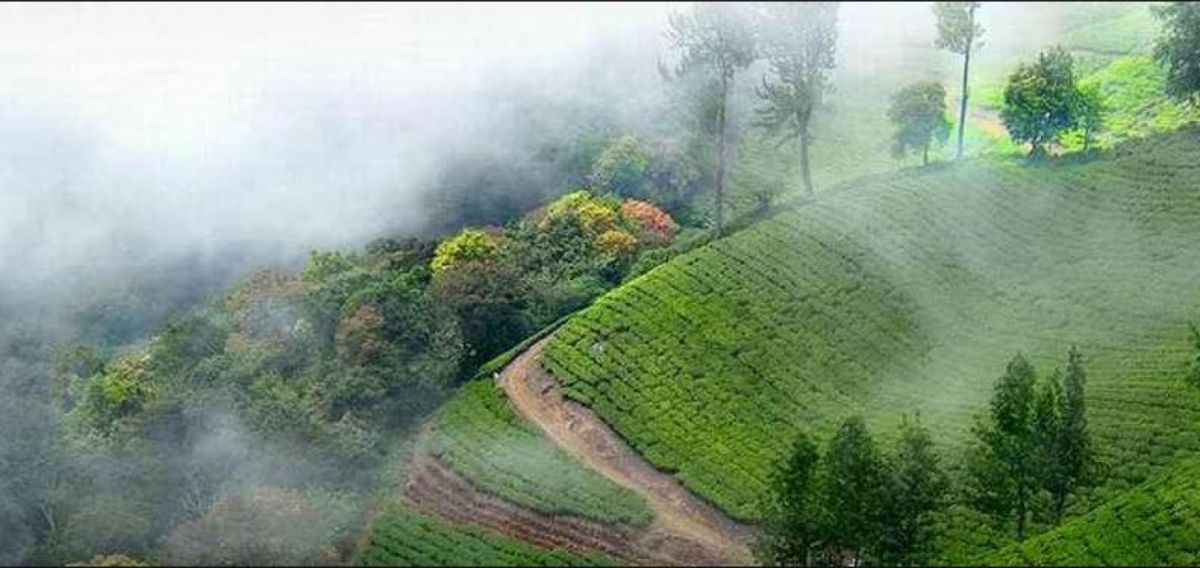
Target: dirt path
{"x":578,"y":431}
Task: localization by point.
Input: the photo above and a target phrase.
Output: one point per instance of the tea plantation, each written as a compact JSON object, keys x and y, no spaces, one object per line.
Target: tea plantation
{"x":407,"y":538}
{"x":910,"y":295}
{"x":480,"y":436}
{"x":1153,"y":524}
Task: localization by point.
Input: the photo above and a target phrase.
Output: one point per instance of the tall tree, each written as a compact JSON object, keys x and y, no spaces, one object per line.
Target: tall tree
{"x":1077,"y":446}
{"x":1004,"y":463}
{"x":958,"y":33}
{"x":1178,"y":48}
{"x":918,"y":488}
{"x":799,"y":40}
{"x":1050,"y":441}
{"x":855,"y":494}
{"x":919,"y":113}
{"x":1040,"y":99}
{"x":795,"y":520}
{"x":716,"y":42}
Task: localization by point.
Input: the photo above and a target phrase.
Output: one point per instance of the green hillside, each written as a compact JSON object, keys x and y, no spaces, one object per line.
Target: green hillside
{"x":909,"y":295}
{"x":1152,"y":524}
{"x":480,"y":437}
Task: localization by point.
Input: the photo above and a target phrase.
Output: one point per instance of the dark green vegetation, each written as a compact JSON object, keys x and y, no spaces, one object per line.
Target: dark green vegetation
{"x":1178,"y":48}
{"x":854,"y":503}
{"x":1041,"y":101}
{"x":407,"y":538}
{"x":873,"y":299}
{"x":481,"y":437}
{"x":1151,"y":524}
{"x":1034,"y":439}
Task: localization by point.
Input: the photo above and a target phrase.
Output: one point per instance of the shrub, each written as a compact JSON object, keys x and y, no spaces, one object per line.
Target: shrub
{"x":468,"y":245}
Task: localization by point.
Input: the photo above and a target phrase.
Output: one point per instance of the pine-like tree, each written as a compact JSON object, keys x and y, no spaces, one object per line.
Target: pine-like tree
{"x":918,"y":489}
{"x":794,"y":523}
{"x":855,"y":485}
{"x":1003,"y":465}
{"x":1049,"y":429}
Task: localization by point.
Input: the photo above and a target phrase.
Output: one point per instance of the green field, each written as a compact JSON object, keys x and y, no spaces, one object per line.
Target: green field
{"x":480,"y":436}
{"x":1152,"y":524}
{"x":909,"y":295}
{"x":407,"y":538}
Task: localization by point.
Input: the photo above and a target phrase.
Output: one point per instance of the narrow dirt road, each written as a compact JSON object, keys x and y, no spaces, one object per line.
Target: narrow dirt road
{"x":577,"y":430}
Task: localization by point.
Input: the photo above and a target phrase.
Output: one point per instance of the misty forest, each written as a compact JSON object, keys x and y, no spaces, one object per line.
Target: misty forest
{"x":764,"y":283}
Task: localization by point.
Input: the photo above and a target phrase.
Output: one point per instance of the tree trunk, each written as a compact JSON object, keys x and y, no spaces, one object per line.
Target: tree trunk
{"x":1087,"y":138}
{"x":962,"y":108}
{"x":1021,"y":514}
{"x":48,"y":515}
{"x":925,"y":155}
{"x":805,"y":171}
{"x":1060,"y":504}
{"x":720,"y":185}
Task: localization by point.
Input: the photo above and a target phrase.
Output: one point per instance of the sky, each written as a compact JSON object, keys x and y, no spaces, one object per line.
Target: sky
{"x":129,"y":130}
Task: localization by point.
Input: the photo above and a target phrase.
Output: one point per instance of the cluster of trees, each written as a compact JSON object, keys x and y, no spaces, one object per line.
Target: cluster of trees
{"x":1033,"y":449}
{"x":505,"y":283}
{"x":853,"y":504}
{"x":1042,"y":100}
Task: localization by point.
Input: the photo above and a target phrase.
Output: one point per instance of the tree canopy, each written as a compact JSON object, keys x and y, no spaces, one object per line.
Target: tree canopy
{"x":919,"y":113}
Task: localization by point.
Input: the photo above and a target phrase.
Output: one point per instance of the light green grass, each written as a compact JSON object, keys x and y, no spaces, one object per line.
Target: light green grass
{"x":407,"y":538}
{"x":909,"y":295}
{"x":480,"y":436}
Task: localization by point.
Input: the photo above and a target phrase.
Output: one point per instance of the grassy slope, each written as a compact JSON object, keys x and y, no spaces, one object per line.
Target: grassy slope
{"x":407,"y":538}
{"x":480,"y":436}
{"x":909,"y":295}
{"x":1153,"y":524}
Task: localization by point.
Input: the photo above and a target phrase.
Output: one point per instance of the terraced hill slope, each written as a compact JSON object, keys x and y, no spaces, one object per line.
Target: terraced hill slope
{"x":909,"y":295}
{"x":1153,"y":524}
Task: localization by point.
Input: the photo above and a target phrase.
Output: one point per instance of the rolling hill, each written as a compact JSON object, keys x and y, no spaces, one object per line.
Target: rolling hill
{"x":909,"y":295}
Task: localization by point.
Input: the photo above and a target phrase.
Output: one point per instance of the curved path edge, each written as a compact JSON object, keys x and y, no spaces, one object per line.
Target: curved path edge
{"x":577,"y":430}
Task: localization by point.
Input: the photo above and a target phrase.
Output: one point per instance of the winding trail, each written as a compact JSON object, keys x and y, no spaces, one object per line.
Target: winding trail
{"x":678,"y":512}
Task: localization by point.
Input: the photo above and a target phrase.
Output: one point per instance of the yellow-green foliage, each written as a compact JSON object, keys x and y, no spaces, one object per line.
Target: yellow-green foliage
{"x":119,"y":391}
{"x":600,"y":220}
{"x":616,"y":242}
{"x":1133,"y":92}
{"x":909,"y":294}
{"x":468,"y":245}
